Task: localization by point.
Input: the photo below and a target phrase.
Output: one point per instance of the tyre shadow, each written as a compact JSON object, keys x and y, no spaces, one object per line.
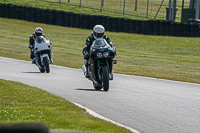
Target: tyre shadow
{"x":82,"y":89}
{"x":31,"y":72}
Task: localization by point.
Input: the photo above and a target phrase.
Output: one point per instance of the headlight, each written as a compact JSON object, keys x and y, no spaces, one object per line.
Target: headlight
{"x":99,"y":55}
{"x":105,"y":54}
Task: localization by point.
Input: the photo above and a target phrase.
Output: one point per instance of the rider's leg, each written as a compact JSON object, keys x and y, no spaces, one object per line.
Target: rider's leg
{"x":86,"y":65}
{"x":32,"y":56}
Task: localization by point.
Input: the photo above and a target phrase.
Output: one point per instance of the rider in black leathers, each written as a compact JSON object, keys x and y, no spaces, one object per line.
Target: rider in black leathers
{"x":98,"y":32}
{"x":38,"y":32}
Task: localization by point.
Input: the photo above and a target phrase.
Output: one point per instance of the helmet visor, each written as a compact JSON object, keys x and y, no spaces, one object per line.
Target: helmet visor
{"x":98,"y":35}
{"x":38,"y":34}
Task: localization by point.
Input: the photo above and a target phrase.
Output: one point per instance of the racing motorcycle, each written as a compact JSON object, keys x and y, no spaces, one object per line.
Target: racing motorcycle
{"x":100,"y":64}
{"x":42,"y":51}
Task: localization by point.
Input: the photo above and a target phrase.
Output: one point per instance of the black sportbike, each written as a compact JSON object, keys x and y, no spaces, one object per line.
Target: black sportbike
{"x":100,"y":64}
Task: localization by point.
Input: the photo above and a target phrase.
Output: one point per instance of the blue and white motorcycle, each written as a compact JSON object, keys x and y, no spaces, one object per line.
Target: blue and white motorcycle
{"x":42,"y":51}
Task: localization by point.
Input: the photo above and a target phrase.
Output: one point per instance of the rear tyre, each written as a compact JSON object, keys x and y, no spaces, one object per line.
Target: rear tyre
{"x":105,"y":78}
{"x":46,"y":65}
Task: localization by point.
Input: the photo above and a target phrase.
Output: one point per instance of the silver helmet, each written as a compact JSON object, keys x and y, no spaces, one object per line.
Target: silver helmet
{"x":38,"y":31}
{"x":98,"y":31}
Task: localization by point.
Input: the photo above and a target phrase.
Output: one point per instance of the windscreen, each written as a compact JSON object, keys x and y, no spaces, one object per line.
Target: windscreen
{"x":40,"y":39}
{"x":100,"y":43}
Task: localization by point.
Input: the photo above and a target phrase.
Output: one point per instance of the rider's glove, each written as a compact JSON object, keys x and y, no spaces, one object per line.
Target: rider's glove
{"x":114,"y":50}
{"x":86,"y":55}
{"x":30,"y":46}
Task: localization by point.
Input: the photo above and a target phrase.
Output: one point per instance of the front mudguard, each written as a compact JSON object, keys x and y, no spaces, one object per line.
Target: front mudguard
{"x":100,"y":73}
{"x":44,"y":56}
{"x":39,"y":59}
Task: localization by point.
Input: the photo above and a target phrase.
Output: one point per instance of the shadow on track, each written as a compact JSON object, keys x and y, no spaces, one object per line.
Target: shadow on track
{"x":31,"y":72}
{"x":88,"y":89}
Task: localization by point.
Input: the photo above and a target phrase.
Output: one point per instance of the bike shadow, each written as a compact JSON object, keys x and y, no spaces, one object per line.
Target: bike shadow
{"x":31,"y":72}
{"x":82,"y":89}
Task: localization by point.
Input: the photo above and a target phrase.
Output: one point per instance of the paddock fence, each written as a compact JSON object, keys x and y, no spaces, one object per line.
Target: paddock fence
{"x":113,"y":24}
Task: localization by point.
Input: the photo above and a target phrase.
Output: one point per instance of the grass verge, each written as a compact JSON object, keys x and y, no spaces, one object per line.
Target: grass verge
{"x":21,"y":103}
{"x":174,"y":58}
{"x":116,"y":10}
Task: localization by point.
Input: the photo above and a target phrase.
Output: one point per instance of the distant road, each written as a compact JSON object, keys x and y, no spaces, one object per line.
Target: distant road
{"x":148,"y":105}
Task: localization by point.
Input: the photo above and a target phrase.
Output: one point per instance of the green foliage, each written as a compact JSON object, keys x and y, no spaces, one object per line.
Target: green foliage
{"x":174,"y":58}
{"x":20,"y":103}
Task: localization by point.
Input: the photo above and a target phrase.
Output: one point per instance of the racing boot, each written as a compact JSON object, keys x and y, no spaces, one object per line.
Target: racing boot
{"x":86,"y":70}
{"x":51,"y":61}
{"x":34,"y":61}
{"x":87,"y":75}
{"x":110,"y":76}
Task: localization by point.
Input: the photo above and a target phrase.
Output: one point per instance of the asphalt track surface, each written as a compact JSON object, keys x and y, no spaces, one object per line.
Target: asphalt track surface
{"x":148,"y":105}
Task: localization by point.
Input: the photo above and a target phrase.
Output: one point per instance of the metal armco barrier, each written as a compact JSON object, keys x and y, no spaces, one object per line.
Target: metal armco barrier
{"x":113,"y":24}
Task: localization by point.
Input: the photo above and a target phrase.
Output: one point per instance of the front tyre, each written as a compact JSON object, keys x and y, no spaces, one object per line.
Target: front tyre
{"x":46,"y":65}
{"x":105,"y":78}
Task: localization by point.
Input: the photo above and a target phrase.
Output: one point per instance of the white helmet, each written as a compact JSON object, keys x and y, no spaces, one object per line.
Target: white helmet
{"x":98,"y":31}
{"x":38,"y":31}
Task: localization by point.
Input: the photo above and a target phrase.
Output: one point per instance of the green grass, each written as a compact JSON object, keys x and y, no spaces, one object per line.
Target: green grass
{"x":112,"y":8}
{"x":21,"y":103}
{"x":166,"y":57}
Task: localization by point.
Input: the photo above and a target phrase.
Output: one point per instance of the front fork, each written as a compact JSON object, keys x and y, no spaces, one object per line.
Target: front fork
{"x":109,"y":65}
{"x":44,"y":56}
{"x":104,"y":64}
{"x":39,"y":59}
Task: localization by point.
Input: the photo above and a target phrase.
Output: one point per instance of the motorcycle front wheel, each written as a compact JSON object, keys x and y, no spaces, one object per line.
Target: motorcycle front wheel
{"x":46,"y":65}
{"x":105,"y":78}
